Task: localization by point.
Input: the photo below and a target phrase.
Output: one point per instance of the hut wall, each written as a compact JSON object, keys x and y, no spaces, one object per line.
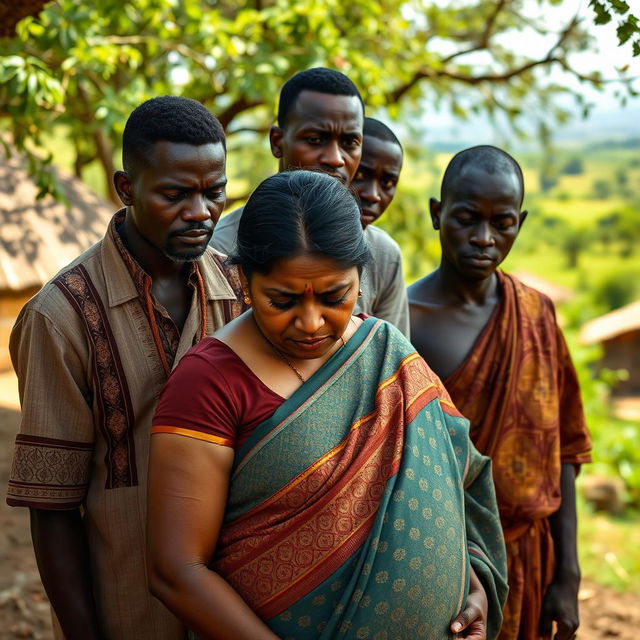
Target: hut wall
{"x":623,"y":352}
{"x":10,"y":304}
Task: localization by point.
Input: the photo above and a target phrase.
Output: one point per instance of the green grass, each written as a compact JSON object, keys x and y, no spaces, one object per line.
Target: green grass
{"x":580,"y":212}
{"x":609,"y":548}
{"x":551,"y":264}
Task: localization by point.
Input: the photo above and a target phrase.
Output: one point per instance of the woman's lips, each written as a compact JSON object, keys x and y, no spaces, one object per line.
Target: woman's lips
{"x":310,"y":345}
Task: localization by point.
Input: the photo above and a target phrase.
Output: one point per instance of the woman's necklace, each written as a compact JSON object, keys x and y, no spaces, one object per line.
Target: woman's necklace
{"x":288,"y":362}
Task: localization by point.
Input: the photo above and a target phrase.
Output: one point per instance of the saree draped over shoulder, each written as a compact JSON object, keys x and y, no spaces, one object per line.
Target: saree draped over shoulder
{"x":355,"y":510}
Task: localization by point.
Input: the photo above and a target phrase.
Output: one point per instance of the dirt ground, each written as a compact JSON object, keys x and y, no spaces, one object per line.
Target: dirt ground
{"x":24,"y":611}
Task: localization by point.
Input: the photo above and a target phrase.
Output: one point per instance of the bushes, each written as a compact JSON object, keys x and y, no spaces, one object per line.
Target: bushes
{"x":616,"y":289}
{"x":615,"y":441}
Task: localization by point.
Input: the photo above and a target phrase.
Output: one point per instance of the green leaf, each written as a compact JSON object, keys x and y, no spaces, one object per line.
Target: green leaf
{"x":603,"y":16}
{"x":627,"y":29}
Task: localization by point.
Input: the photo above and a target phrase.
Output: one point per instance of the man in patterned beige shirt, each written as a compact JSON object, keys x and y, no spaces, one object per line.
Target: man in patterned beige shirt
{"x":92,"y":351}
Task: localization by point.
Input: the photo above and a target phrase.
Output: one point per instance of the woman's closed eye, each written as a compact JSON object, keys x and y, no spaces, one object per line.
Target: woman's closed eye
{"x":288,"y":303}
{"x":282,"y":303}
{"x":334,"y":302}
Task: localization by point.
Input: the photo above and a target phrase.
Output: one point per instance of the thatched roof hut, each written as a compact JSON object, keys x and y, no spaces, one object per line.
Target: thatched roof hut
{"x":38,"y":237}
{"x":619,"y":333}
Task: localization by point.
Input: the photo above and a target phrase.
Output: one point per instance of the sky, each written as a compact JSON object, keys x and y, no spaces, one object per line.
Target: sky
{"x":607,"y":119}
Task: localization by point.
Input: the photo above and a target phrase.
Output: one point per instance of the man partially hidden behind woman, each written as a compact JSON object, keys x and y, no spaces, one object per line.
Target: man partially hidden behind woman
{"x":326,"y":487}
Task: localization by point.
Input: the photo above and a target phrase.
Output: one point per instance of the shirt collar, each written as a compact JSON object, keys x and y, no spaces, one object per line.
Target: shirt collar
{"x":125,"y":278}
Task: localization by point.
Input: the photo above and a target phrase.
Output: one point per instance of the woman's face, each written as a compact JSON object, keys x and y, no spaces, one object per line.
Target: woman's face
{"x":303,"y":305}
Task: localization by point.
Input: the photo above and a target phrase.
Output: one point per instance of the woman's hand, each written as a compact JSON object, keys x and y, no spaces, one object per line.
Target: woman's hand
{"x":471,"y":622}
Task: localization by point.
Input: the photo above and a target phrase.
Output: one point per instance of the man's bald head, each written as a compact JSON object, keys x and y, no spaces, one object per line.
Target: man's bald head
{"x":486,"y":157}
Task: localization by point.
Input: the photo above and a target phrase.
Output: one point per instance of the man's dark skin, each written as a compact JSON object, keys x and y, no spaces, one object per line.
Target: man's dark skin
{"x":478,"y":221}
{"x":173,"y":200}
{"x":323,"y":132}
{"x":377,"y":177}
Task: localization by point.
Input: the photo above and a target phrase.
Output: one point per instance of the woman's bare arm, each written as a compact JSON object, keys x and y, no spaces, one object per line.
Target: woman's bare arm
{"x":188,"y":484}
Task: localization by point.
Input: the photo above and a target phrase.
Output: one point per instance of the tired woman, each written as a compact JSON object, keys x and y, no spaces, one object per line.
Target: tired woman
{"x":309,"y":475}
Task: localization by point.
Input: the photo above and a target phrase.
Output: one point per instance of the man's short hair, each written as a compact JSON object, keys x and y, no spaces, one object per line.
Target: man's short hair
{"x":486,"y":157}
{"x":169,"y":118}
{"x":319,"y":79}
{"x":380,"y":131}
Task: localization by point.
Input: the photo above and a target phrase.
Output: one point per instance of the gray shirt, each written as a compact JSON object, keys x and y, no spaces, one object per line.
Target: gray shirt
{"x":383,"y":288}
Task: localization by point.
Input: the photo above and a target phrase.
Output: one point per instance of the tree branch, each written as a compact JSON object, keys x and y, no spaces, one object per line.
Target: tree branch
{"x":485,"y":36}
{"x":178,"y":47}
{"x":236,"y":108}
{"x":261,"y":130}
{"x":168,"y":45}
{"x":499,"y":78}
{"x":104,"y":151}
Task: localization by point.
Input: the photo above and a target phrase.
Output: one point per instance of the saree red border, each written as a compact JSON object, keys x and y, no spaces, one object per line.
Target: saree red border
{"x":351,"y":479}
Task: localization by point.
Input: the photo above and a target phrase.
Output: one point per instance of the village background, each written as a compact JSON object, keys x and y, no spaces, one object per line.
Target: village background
{"x":71,"y":75}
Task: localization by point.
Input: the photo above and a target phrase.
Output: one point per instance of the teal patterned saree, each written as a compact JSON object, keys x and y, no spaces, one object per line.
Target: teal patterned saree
{"x":355,"y":510}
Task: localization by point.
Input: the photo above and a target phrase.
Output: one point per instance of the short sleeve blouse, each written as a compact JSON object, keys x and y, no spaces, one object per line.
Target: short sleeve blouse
{"x":212,"y":395}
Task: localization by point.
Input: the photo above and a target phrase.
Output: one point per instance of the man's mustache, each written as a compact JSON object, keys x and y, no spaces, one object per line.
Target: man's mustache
{"x":192,"y":226}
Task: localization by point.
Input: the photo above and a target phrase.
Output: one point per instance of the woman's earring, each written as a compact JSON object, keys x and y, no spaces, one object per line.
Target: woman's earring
{"x":359,"y":293}
{"x":246,"y":298}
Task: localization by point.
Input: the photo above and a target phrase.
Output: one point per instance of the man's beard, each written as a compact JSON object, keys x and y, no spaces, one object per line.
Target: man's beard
{"x":185,"y":255}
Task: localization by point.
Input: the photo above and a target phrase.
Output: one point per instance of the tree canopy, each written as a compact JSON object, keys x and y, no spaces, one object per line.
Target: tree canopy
{"x":628,"y":29}
{"x":87,"y":65}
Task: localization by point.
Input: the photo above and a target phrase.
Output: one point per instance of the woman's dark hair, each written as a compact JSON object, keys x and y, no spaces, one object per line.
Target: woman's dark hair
{"x":298,"y":212}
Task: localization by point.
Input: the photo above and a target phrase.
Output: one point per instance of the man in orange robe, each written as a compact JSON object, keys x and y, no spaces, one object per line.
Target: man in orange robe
{"x":496,"y":345}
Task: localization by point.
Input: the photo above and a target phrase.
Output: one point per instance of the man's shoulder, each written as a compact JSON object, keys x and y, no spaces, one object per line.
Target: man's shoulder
{"x":50,"y":300}
{"x":422,"y":291}
{"x":222,"y":277}
{"x":530,"y":299}
{"x":231,"y":219}
{"x":378,"y":237}
{"x":215,"y":261}
{"x":226,"y":231}
{"x":380,"y":241}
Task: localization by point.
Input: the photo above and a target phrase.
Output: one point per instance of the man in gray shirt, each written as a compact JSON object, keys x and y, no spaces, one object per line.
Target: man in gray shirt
{"x":320,"y":127}
{"x":383,"y":288}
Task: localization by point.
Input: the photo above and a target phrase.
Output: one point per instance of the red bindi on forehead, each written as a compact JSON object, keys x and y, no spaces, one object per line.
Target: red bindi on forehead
{"x":308,"y":289}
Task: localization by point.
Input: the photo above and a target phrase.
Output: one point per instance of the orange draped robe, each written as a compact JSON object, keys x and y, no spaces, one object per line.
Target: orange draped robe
{"x":519,"y":389}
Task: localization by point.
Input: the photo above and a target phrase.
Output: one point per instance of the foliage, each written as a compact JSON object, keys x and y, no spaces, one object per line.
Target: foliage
{"x":616,"y":289}
{"x":621,"y":227}
{"x":628,"y":29}
{"x":574,"y":167}
{"x":609,"y":548}
{"x":86,"y":65}
{"x":602,"y":189}
{"x":615,"y":441}
{"x":548,"y":176}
